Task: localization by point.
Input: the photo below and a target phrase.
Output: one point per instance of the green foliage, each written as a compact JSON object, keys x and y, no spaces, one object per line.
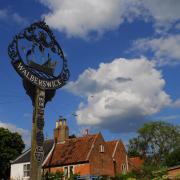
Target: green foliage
{"x":173,"y":158}
{"x":158,"y":143}
{"x":11,"y":146}
{"x":73,"y":176}
{"x":147,"y":172}
{"x":153,"y":172}
{"x":53,"y":176}
{"x":155,"y":141}
{"x":130,"y":175}
{"x":58,"y":176}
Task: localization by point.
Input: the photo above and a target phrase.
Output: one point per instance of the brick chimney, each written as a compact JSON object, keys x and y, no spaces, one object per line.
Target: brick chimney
{"x":61,"y":132}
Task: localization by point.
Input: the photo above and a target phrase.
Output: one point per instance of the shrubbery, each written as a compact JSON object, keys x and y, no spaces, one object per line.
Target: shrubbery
{"x":58,"y":176}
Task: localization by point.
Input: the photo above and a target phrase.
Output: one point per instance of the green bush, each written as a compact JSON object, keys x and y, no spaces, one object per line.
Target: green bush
{"x":53,"y":176}
{"x":58,"y":176}
{"x":127,"y":176}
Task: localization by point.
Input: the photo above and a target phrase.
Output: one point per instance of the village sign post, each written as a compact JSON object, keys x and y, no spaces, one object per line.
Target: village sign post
{"x":35,"y":54}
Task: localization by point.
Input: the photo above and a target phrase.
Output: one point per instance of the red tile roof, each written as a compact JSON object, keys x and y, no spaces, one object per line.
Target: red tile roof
{"x":72,"y":151}
{"x":111,"y":146}
{"x":137,"y":162}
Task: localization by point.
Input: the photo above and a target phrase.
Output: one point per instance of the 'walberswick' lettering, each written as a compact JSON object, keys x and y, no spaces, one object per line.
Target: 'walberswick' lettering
{"x":44,"y":84}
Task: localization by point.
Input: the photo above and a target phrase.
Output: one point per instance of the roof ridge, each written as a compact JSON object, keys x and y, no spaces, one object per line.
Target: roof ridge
{"x":87,"y":136}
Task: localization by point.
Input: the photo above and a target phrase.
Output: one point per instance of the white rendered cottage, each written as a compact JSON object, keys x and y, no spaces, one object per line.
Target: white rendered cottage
{"x":20,"y":167}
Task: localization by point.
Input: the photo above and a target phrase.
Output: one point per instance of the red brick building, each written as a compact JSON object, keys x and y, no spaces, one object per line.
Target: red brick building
{"x":88,"y":155}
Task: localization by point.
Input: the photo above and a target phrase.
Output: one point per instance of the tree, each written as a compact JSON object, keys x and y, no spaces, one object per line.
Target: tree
{"x":155,"y":141}
{"x":11,"y":146}
{"x":173,"y":158}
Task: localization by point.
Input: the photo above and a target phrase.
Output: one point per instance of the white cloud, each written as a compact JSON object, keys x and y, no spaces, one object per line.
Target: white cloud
{"x":176,"y":104}
{"x":165,"y":49}
{"x":23,"y":132}
{"x":120,"y":95}
{"x":164,"y":12}
{"x":81,"y":17}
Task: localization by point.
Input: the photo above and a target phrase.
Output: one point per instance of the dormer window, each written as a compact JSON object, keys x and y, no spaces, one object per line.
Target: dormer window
{"x":101,"y":148}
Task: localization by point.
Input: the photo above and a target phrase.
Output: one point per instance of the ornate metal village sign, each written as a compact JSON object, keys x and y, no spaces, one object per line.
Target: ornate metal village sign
{"x":41,"y":75}
{"x":37,"y":57}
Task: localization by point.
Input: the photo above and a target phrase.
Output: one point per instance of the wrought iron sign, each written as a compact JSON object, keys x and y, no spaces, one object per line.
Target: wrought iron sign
{"x":24,"y":52}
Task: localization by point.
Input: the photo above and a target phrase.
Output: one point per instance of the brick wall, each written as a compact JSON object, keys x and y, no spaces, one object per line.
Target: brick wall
{"x":101,"y":163}
{"x":56,"y":169}
{"x":120,"y":158}
{"x":82,"y":169}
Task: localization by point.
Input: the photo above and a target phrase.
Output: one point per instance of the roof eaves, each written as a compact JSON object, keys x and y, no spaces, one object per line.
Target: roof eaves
{"x":48,"y":154}
{"x":24,"y":153}
{"x":67,"y":164}
{"x":174,"y":167}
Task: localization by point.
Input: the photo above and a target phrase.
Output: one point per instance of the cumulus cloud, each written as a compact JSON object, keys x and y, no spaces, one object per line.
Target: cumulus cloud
{"x":176,"y":104}
{"x":120,"y":95}
{"x":79,"y":17}
{"x":163,"y":12}
{"x":165,"y":49}
{"x":83,"y":17}
{"x":23,"y":132}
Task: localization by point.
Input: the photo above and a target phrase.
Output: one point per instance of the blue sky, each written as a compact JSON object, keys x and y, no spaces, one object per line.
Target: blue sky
{"x":124,"y":59}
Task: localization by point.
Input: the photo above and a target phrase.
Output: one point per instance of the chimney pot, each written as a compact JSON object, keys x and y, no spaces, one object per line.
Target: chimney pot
{"x":64,"y":122}
{"x":60,"y":122}
{"x":57,"y":124}
{"x":86,"y":132}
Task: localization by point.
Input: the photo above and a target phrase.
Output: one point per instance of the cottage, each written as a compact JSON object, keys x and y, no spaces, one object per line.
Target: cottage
{"x":20,"y":167}
{"x":89,"y":155}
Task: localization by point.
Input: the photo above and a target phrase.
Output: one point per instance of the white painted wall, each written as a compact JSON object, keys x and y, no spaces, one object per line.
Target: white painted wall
{"x":17,"y":172}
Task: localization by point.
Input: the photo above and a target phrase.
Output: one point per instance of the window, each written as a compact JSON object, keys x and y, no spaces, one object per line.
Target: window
{"x":66,"y":171}
{"x":26,"y":170}
{"x":71,"y":170}
{"x":101,"y":148}
{"x":123,"y":168}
